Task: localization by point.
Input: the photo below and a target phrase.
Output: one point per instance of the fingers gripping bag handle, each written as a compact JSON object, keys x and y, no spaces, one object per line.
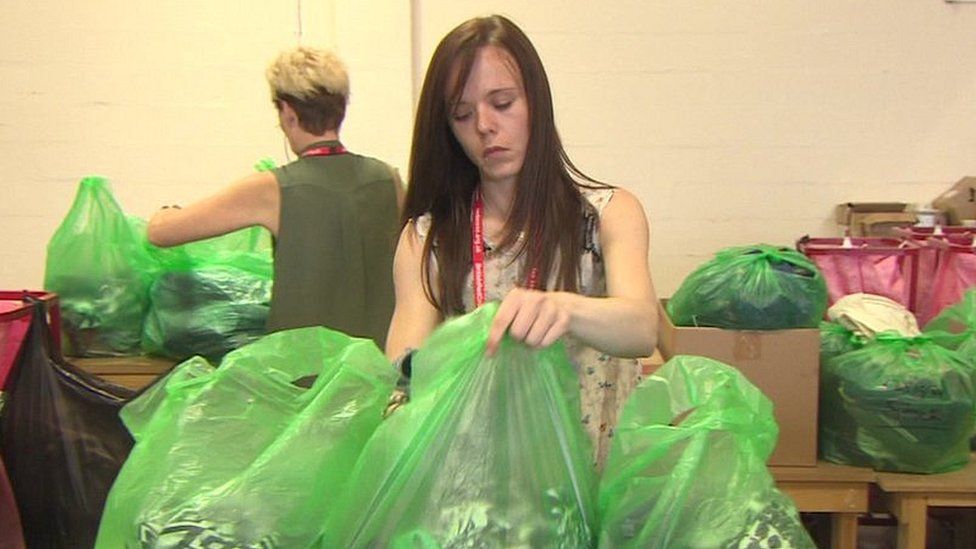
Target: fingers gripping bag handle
{"x":488,"y":452}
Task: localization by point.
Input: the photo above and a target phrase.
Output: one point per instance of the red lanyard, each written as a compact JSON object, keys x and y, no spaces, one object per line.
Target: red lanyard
{"x":478,"y":252}
{"x":325,"y":151}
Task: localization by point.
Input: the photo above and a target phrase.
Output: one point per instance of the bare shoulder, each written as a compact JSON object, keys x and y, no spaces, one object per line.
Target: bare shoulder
{"x":623,"y":214}
{"x":410,"y":248}
{"x":409,"y":238}
{"x":256,"y":184}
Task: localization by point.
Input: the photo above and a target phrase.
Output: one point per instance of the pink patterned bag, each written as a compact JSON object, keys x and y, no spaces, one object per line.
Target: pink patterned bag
{"x":882,"y":266}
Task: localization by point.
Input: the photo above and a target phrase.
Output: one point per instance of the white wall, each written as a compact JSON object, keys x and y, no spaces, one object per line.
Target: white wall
{"x":734,"y":122}
{"x":747,"y":121}
{"x":168,"y":100}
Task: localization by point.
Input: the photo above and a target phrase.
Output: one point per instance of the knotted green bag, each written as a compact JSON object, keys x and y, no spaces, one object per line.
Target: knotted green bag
{"x":836,"y":339}
{"x":897,"y":404}
{"x":759,"y":287}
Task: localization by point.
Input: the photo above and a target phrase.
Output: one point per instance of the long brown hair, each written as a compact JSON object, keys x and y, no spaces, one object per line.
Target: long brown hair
{"x":548,"y":207}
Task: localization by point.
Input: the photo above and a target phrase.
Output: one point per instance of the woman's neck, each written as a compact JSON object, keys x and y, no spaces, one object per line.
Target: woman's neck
{"x":498,"y":198}
{"x":300,"y":140}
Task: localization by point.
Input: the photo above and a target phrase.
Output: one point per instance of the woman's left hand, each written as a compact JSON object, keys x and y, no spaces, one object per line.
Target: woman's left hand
{"x":533,"y":317}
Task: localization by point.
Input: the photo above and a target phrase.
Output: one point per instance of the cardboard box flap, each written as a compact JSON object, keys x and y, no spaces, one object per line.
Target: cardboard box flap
{"x":959,"y":202}
{"x":783,"y":364}
{"x":843,"y":212}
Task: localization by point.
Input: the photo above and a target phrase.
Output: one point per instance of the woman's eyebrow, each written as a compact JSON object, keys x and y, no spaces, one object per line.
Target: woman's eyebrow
{"x":491,"y":93}
{"x":502,"y":90}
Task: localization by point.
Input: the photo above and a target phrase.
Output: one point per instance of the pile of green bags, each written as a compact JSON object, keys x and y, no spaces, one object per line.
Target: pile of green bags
{"x":122,"y":296}
{"x":284,"y":446}
{"x":251,"y":454}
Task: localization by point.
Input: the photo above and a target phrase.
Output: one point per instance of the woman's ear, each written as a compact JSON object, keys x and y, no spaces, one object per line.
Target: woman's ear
{"x":288,"y":115}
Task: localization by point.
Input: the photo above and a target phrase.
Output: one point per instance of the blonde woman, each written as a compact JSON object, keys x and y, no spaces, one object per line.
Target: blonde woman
{"x":333,"y":213}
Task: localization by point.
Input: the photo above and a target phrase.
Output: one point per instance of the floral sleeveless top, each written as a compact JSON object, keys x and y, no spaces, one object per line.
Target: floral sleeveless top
{"x":605,"y":381}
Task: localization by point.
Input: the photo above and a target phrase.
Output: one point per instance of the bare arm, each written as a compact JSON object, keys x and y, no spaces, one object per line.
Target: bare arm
{"x":253,"y":200}
{"x":622,"y":324}
{"x":414,"y":317}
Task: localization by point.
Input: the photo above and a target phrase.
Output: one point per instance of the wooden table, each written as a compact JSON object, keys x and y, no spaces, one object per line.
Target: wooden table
{"x":129,"y":371}
{"x":839,"y":490}
{"x":909,"y":496}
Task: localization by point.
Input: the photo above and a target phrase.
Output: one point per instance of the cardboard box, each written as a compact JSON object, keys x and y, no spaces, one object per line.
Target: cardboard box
{"x":878,"y":219}
{"x":783,"y":364}
{"x":959,"y":202}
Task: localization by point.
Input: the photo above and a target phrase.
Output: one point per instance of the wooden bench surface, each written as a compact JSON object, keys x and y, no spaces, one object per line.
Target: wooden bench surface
{"x":822,"y":472}
{"x":961,"y":481}
{"x":134,"y":372}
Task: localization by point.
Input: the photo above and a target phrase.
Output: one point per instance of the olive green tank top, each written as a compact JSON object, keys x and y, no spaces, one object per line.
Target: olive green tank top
{"x":333,"y":255}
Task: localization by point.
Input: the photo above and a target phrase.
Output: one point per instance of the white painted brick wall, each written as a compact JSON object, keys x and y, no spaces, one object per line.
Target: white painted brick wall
{"x":734,"y":122}
{"x":747,"y":121}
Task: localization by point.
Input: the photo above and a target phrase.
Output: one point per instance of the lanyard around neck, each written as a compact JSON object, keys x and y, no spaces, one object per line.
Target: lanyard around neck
{"x":478,"y":252}
{"x":329,"y":150}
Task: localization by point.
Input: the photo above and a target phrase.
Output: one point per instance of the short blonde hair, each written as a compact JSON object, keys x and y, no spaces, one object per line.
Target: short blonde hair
{"x":305,"y":72}
{"x":314,"y":83}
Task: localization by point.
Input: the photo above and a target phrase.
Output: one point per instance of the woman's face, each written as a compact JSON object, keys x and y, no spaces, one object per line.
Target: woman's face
{"x":491,"y":118}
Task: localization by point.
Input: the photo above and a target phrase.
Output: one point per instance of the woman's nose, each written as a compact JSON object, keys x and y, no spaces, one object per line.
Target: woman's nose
{"x":486,"y":119}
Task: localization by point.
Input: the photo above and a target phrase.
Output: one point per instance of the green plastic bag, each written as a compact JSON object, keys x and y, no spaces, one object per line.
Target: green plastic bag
{"x":207,"y":312}
{"x":687,"y":466}
{"x":898,"y":404}
{"x":96,"y":264}
{"x":251,"y":454}
{"x":836,"y":339}
{"x":489,"y":452}
{"x":249,"y":249}
{"x":955,"y":326}
{"x":211,"y":296}
{"x":759,"y":287}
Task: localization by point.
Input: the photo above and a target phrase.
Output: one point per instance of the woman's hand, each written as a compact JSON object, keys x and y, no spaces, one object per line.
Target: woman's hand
{"x":623,"y":323}
{"x":533,"y":317}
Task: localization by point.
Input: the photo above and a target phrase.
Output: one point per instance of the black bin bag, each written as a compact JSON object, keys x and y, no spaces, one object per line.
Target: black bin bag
{"x":61,"y":440}
{"x":10,"y":531}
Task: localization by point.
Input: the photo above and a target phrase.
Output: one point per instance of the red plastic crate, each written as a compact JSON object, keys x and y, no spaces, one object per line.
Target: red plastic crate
{"x":15,"y":317}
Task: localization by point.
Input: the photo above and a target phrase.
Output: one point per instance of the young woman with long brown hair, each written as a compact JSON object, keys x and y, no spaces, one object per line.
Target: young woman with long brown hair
{"x":495,"y":210}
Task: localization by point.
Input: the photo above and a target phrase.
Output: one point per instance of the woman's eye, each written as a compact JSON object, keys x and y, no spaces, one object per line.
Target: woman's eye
{"x":502,"y":105}
{"x":462,"y":116}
